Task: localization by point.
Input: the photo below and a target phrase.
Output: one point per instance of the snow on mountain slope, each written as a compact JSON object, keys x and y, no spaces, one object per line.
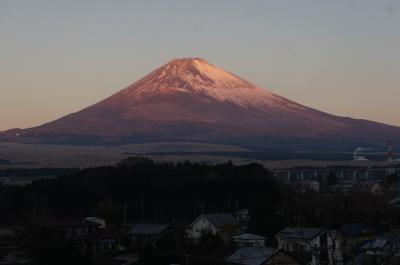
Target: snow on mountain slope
{"x":198,"y":76}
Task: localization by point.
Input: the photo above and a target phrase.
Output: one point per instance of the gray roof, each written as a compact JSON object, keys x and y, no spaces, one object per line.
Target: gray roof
{"x":353,"y":230}
{"x":389,"y":241}
{"x":395,"y":201}
{"x":219,"y":220}
{"x":4,"y":232}
{"x":299,"y":233}
{"x":148,"y":229}
{"x":243,"y":211}
{"x":248,"y":236}
{"x":250,"y":256}
{"x":376,"y":244}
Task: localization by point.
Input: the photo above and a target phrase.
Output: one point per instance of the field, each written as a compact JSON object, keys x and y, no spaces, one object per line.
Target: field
{"x":34,"y":156}
{"x":65,"y":156}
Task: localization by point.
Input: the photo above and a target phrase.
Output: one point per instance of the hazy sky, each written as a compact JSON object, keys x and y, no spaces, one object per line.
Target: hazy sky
{"x":340,"y":56}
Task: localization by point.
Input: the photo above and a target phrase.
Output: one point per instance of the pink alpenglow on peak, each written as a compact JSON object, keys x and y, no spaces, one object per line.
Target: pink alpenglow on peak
{"x":196,"y":75}
{"x":190,"y":99}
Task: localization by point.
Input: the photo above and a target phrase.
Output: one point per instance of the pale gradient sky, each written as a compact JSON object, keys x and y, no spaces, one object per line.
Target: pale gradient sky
{"x":340,"y":56}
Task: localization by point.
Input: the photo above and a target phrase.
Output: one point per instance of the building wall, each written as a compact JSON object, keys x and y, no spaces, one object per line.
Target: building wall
{"x":335,"y":248}
{"x":201,"y":226}
{"x":302,"y":246}
{"x":298,"y":245}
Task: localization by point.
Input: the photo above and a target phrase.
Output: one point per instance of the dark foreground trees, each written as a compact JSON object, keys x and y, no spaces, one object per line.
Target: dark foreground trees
{"x":150,"y":191}
{"x":138,"y":190}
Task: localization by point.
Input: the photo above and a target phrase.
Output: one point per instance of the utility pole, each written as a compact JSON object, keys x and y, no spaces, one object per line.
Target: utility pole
{"x":35,"y":212}
{"x":202,"y":207}
{"x":125,"y":213}
{"x":142,"y":208}
{"x":83,"y":232}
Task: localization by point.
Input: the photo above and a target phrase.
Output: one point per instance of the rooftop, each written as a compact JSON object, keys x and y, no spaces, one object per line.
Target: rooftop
{"x":299,"y":233}
{"x":148,"y":229}
{"x":219,"y":220}
{"x":250,"y":255}
{"x":77,"y":222}
{"x":357,"y":230}
{"x":353,"y":230}
{"x":248,"y":236}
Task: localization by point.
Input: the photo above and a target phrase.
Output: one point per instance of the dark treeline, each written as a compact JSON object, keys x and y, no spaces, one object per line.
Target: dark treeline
{"x":158,"y":192}
{"x":178,"y":193}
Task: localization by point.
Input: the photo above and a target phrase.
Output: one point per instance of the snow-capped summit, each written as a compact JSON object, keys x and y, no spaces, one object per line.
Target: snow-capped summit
{"x":196,"y":75}
{"x":190,"y":99}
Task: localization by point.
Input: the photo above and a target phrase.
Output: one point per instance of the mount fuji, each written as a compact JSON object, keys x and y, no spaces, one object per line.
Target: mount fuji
{"x":192,"y":100}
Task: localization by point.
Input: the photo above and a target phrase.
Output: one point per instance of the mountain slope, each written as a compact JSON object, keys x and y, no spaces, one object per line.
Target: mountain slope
{"x":192,"y":100}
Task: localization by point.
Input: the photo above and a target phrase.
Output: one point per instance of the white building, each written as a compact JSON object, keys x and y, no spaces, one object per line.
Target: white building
{"x":210,"y":223}
{"x":243,"y":217}
{"x":97,"y":220}
{"x":336,"y":245}
{"x":307,"y":185}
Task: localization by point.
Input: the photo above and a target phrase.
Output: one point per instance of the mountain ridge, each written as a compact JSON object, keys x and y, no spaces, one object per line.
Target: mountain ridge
{"x":190,"y":99}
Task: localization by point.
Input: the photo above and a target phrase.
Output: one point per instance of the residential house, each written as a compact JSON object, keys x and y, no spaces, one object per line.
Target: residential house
{"x":243,"y":218}
{"x":79,"y":228}
{"x":344,"y":242}
{"x":91,"y":233}
{"x":147,"y":233}
{"x":212,"y":223}
{"x":242,"y":215}
{"x":382,"y":250}
{"x":305,"y":243}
